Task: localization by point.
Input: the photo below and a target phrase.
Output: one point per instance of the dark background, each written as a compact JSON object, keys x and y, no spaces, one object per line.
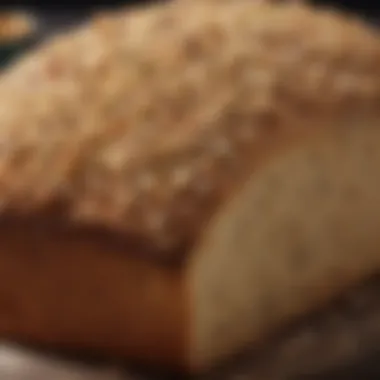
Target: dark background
{"x":53,"y":14}
{"x":356,"y":5}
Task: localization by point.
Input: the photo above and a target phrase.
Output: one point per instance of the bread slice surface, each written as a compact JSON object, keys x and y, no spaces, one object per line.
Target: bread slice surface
{"x":302,"y":231}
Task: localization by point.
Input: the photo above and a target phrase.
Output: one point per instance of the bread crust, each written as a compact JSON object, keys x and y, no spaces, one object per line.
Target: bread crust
{"x":142,"y":125}
{"x":64,"y":288}
{"x":144,"y":122}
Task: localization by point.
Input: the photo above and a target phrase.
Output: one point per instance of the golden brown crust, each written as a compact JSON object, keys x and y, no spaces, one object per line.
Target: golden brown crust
{"x":71,"y":291}
{"x":144,"y":122}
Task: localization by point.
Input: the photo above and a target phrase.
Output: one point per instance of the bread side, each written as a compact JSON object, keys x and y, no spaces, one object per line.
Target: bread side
{"x":144,"y":122}
{"x":301,"y":231}
{"x":71,"y":290}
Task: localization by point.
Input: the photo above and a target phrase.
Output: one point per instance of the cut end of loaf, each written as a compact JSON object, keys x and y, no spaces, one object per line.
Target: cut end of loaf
{"x":301,"y":231}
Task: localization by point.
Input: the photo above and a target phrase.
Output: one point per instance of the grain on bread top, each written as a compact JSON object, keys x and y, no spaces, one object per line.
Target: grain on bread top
{"x":143,"y":121}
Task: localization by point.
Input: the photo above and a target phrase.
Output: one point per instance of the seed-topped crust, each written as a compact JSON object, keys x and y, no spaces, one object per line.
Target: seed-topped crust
{"x":144,"y":121}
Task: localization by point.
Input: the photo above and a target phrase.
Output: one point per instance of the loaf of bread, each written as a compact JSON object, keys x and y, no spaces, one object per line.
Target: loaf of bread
{"x":185,"y":180}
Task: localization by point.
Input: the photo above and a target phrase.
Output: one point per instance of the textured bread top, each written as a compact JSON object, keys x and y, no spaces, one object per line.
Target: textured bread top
{"x":142,"y":122}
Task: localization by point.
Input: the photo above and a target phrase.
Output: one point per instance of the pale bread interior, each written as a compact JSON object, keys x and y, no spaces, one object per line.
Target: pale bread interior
{"x":304,"y":228}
